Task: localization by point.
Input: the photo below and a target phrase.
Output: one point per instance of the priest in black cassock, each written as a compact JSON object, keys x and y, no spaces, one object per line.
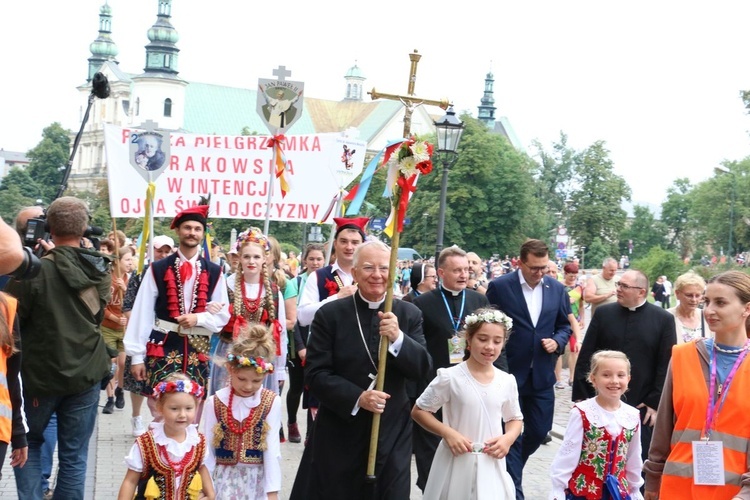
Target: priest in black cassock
{"x":645,"y":333}
{"x":444,"y":310}
{"x":342,"y":359}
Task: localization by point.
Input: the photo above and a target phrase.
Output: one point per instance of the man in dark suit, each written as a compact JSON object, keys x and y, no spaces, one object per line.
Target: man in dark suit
{"x":539,"y":307}
{"x":643,"y":331}
{"x":444,"y":310}
{"x":342,"y":359}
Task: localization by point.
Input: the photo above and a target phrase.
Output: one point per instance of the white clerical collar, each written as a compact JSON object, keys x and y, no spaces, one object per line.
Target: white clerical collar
{"x":452,"y":292}
{"x":371,"y":305}
{"x":636,"y":307}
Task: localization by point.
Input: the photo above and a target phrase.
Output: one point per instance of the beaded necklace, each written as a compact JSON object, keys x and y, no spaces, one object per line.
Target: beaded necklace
{"x":181,"y":291}
{"x":177,"y":467}
{"x":231,"y":420}
{"x":251,"y":306}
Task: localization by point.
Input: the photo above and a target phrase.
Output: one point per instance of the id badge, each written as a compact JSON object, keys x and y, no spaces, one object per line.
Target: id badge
{"x":708,"y":463}
{"x":456,"y":346}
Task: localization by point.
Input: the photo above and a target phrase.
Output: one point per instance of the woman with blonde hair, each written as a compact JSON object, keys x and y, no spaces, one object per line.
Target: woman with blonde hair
{"x":688,"y":317}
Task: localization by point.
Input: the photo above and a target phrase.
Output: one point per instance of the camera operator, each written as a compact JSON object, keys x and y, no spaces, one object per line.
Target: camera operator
{"x":65,"y":357}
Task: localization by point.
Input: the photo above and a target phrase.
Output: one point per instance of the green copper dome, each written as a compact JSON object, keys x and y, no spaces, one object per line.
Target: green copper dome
{"x":354,"y":72}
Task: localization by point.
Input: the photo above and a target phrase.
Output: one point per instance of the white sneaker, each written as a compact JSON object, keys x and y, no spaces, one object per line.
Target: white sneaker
{"x":137,"y":424}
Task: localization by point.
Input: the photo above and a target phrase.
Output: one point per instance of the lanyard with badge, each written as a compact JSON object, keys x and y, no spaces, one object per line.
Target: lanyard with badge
{"x":456,"y":344}
{"x":708,"y":456}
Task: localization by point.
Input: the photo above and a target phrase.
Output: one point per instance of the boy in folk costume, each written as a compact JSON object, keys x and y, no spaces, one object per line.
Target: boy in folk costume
{"x":170,"y":327}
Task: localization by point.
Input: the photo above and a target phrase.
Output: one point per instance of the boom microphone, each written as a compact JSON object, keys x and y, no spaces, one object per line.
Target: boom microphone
{"x":100,"y":86}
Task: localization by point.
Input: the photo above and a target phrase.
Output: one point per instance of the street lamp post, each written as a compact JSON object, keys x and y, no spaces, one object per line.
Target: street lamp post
{"x":425,"y":219}
{"x":449,"y":131}
{"x":721,"y":170}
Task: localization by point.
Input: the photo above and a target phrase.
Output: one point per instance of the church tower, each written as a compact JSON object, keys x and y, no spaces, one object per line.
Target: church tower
{"x":354,"y":83}
{"x":486,"y":110}
{"x":158,"y":93}
{"x":103,"y":48}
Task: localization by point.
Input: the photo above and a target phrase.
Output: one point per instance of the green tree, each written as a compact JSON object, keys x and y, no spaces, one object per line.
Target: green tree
{"x":554,"y":177}
{"x":675,"y":214}
{"x":48,"y":160}
{"x":644,"y":231}
{"x":711,"y":205}
{"x":490,"y":205}
{"x":596,"y":208}
{"x":595,"y":254}
{"x":12,"y":200}
{"x":659,"y":262}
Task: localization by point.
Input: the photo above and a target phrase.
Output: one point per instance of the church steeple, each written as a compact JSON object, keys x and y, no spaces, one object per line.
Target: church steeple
{"x":354,"y":81}
{"x":161,"y":53}
{"x":487,"y":108}
{"x":103,"y":48}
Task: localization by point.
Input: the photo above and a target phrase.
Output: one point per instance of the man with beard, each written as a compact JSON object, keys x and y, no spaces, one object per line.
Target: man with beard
{"x":165,"y":336}
{"x":342,"y":360}
{"x":444,"y":310}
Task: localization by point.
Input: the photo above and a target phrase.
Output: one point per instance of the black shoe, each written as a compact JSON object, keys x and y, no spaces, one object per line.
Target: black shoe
{"x":109,"y":407}
{"x":547,"y":439}
{"x":119,"y":399}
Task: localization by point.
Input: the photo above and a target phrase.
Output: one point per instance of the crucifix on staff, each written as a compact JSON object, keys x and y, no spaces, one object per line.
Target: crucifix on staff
{"x":405,"y":185}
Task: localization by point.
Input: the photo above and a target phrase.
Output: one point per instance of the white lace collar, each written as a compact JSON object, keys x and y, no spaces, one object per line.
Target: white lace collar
{"x":248,"y":402}
{"x":173,"y":447}
{"x":626,"y":416}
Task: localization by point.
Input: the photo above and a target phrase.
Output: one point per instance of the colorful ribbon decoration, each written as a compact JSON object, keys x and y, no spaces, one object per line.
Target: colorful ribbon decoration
{"x":334,"y":201}
{"x":407,"y":189}
{"x":150,"y":192}
{"x":280,"y":162}
{"x":207,"y":242}
{"x":358,"y":193}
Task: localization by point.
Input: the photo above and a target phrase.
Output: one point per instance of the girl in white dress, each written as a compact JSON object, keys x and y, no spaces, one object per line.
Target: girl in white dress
{"x":601,"y":453}
{"x":168,"y":460}
{"x":241,"y":422}
{"x":476,"y":399}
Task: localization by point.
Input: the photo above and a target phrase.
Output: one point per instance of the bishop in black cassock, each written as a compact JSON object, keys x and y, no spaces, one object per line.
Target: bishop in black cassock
{"x":342,"y":355}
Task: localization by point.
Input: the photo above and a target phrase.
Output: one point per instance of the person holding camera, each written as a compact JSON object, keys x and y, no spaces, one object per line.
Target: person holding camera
{"x":64,"y":355}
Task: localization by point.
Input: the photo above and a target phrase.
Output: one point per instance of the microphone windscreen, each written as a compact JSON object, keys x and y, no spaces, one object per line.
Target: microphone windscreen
{"x":100,"y":86}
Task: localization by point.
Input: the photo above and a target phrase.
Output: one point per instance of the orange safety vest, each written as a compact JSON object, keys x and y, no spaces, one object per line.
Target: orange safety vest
{"x":732,"y":428}
{"x":6,"y":408}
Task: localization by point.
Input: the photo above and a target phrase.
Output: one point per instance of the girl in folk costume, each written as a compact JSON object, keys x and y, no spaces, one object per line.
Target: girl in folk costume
{"x":12,"y":419}
{"x":242,"y":431}
{"x":167,"y":462}
{"x":253,"y":298}
{"x":113,"y":327}
{"x":476,"y":399}
{"x":600,"y":457}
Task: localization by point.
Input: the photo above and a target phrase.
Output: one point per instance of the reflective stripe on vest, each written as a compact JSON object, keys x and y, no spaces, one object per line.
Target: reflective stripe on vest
{"x":6,"y":408}
{"x":690,"y":400}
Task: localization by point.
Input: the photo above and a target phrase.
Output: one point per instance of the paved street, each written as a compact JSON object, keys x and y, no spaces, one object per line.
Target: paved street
{"x":113,"y":440}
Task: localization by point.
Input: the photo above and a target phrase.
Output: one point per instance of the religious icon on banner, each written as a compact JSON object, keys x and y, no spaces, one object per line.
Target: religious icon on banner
{"x":149,"y":152}
{"x":279,"y":103}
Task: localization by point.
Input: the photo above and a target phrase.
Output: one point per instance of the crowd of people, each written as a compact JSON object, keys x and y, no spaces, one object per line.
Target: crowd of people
{"x":460,"y":371}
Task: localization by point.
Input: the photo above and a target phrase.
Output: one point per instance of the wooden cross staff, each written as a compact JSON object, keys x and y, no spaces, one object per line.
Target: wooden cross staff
{"x":410,"y":101}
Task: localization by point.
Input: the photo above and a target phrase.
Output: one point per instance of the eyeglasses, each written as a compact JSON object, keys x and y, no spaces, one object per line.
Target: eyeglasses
{"x":433,"y":277}
{"x":372,"y":269}
{"x":537,"y":269}
{"x":628,"y":287}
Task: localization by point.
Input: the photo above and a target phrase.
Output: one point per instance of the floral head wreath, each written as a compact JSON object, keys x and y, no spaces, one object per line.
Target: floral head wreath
{"x":490,"y":317}
{"x":186,"y":386}
{"x":253,"y":235}
{"x":260,"y":364}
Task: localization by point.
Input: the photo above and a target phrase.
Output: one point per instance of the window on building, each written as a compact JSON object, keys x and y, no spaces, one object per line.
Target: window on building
{"x":167,"y":107}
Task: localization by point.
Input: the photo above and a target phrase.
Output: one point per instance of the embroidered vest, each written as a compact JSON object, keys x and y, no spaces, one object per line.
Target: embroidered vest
{"x":328,"y":282}
{"x":246,"y":448}
{"x":587,"y":480}
{"x":154,"y":464}
{"x":159,"y":268}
